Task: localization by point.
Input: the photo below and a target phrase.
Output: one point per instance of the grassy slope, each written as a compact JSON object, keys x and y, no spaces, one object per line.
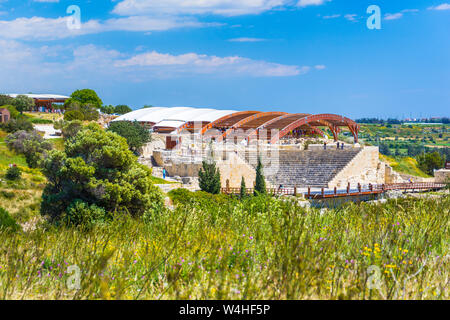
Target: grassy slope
{"x":406,"y":165}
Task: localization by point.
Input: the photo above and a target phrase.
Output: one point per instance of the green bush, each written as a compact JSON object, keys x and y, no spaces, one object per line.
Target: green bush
{"x":31,"y":145}
{"x":97,"y":167}
{"x":13,"y":173}
{"x":19,"y":124}
{"x":81,"y":213}
{"x":7,"y":222}
{"x":73,"y":115}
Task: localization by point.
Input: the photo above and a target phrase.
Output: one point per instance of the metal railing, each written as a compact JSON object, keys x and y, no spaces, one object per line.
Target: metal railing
{"x":349,"y":191}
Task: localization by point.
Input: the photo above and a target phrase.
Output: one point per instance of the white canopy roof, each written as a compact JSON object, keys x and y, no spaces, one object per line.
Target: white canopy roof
{"x":174,"y":115}
{"x":39,"y":96}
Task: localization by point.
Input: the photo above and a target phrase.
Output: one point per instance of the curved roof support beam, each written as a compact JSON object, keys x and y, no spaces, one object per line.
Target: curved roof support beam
{"x":230,"y":116}
{"x":247,"y":120}
{"x":332,"y":118}
{"x":256,"y":131}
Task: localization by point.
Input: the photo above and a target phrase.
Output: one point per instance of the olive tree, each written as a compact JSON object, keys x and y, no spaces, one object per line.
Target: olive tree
{"x":96,"y":171}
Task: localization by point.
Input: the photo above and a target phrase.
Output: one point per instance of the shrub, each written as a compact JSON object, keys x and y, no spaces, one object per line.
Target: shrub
{"x":20,"y":124}
{"x":13,"y":173}
{"x":7,"y":222}
{"x":97,"y":168}
{"x":31,"y":145}
{"x":73,"y":115}
{"x":80,"y":213}
{"x":69,"y":129}
{"x":135,"y":134}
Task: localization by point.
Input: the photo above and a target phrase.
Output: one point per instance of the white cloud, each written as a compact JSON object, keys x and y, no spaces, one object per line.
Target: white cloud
{"x":23,"y":65}
{"x":320,"y":67}
{"x":205,"y":64}
{"x":46,"y":0}
{"x":39,"y":28}
{"x":247,"y":40}
{"x":305,"y":3}
{"x":333,"y":16}
{"x":176,"y":7}
{"x":444,"y":6}
{"x":351,"y":17}
{"x":393,"y":16}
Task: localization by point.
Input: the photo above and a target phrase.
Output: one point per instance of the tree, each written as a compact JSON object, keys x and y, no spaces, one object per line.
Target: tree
{"x":243,"y":189}
{"x":385,"y":150}
{"x":23,"y":103}
{"x":89,"y":112}
{"x":428,"y":162}
{"x":209,"y":177}
{"x":97,"y":168}
{"x":260,"y":183}
{"x":85,"y":97}
{"x":135,"y":134}
{"x":122,"y":109}
{"x":108,"y":109}
{"x":6,"y":100}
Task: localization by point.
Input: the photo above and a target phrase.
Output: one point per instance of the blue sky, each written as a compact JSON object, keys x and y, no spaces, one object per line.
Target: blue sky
{"x":315,"y":56}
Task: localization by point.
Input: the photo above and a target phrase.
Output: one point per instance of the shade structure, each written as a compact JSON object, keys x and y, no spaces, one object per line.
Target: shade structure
{"x":223,"y":124}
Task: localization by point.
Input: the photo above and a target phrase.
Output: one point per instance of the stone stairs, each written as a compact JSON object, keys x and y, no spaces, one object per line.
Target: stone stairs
{"x":302,"y":168}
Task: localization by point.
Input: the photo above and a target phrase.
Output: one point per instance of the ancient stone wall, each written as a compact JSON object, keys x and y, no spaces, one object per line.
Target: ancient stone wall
{"x":365,"y":168}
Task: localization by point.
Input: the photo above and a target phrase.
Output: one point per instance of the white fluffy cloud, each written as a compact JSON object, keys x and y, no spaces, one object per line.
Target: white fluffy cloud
{"x":217,"y":7}
{"x":205,"y":64}
{"x":444,"y":6}
{"x":23,"y":64}
{"x":305,"y":3}
{"x":39,"y":28}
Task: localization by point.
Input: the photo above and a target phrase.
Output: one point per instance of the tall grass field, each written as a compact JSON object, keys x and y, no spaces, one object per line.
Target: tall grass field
{"x":216,"y":247}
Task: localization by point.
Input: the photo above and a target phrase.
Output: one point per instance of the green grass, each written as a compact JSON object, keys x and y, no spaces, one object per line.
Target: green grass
{"x":404,"y":165}
{"x":261,"y":248}
{"x":157,"y":180}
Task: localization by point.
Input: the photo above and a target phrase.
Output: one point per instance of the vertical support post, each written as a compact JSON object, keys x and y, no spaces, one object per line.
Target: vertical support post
{"x":348,"y":188}
{"x":309,"y":192}
{"x":335,"y":190}
{"x":323,"y":192}
{"x":359,"y":187}
{"x":295,"y":191}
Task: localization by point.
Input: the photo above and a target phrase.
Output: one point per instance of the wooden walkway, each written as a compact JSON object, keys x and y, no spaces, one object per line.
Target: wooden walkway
{"x":349,"y":192}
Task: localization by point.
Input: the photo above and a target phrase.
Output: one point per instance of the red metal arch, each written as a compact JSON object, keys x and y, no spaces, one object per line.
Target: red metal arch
{"x":230,"y":116}
{"x":336,"y":120}
{"x":254,"y":132}
{"x":249,"y":119}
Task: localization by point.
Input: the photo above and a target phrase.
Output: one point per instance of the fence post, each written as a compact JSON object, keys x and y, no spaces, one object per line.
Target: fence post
{"x":309,"y":192}
{"x":323,"y":192}
{"x":359,"y":187}
{"x":295,"y":191}
{"x":335,"y":190}
{"x":370,"y":187}
{"x":348,"y":188}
